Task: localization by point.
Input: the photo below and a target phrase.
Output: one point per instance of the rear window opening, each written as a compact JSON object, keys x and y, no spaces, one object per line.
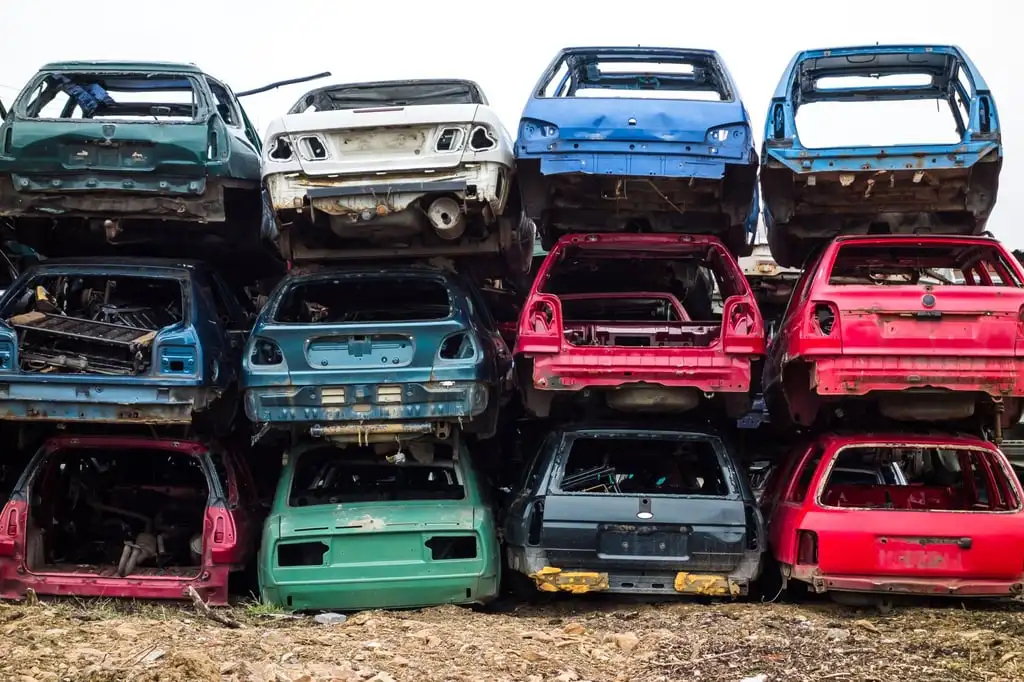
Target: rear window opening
{"x":301,"y":554}
{"x":644,"y":466}
{"x":911,"y":478}
{"x":383,"y":472}
{"x":117,"y":513}
{"x":922,"y":263}
{"x":131,"y":96}
{"x":93,"y":324}
{"x":637,"y":299}
{"x":592,"y":75}
{"x":375,"y":95}
{"x":822,"y":125}
{"x":356,"y":299}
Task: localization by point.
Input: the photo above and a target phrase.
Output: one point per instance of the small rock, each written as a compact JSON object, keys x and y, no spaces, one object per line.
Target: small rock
{"x":567,"y":676}
{"x":532,"y":656}
{"x":288,"y":657}
{"x":756,"y":678}
{"x":399,"y":661}
{"x":624,"y":640}
{"x":867,"y":625}
{"x":382,"y":677}
{"x":837,"y":634}
{"x":330,"y":618}
{"x":154,"y":655}
{"x":370,"y":645}
{"x":574,"y":629}
{"x":534,"y":678}
{"x":538,"y":636}
{"x":304,"y":678}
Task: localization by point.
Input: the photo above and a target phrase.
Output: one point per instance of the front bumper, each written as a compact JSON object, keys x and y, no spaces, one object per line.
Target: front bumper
{"x":858,"y":375}
{"x":390,"y":593}
{"x":362,"y":198}
{"x":430,"y":401}
{"x":84,"y":402}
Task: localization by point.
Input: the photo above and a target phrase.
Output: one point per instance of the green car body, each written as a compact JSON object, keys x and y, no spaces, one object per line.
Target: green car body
{"x":388,"y":552}
{"x":128,"y":140}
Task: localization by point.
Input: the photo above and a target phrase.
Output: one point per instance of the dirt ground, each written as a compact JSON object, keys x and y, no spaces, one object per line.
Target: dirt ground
{"x":563,"y":641}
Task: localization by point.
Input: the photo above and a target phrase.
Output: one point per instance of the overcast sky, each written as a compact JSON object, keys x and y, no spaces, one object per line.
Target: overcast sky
{"x":248,"y":44}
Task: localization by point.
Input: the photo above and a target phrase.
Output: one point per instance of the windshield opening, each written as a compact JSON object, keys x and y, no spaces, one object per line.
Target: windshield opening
{"x":645,"y":466}
{"x":133,"y":96}
{"x":364,"y":299}
{"x":383,"y":472}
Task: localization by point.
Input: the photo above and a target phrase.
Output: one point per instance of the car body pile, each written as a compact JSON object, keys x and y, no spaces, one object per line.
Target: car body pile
{"x":406,"y":301}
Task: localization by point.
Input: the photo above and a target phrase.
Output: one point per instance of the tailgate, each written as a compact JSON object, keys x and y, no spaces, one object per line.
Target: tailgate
{"x":910,"y":320}
{"x":636,"y":532}
{"x":979,"y":545}
{"x":359,"y":542}
{"x":381,"y":140}
{"x":46,"y":148}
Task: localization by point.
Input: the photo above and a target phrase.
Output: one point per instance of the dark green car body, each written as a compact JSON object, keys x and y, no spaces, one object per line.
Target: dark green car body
{"x":351,"y":530}
{"x":128,"y":140}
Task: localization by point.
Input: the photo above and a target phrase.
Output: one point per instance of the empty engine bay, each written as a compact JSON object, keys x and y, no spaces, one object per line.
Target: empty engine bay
{"x":93,"y":324}
{"x":118,"y":513}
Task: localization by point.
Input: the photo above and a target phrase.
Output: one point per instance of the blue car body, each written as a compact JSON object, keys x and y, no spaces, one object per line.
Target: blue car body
{"x":120,"y":362}
{"x":811,"y":195}
{"x":407,"y":349}
{"x":638,"y":138}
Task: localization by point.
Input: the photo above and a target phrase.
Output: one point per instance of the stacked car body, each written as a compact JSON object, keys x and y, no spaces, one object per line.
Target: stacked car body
{"x":399,"y":296}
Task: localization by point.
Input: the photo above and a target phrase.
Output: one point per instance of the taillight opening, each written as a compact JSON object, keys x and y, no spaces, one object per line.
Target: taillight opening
{"x":266,"y":352}
{"x":824,"y":316}
{"x":742,"y":321}
{"x":541,"y":316}
{"x":458,"y":346}
{"x":807,"y":547}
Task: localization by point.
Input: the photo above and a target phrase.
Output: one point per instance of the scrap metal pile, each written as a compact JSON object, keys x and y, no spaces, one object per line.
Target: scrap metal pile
{"x":554,"y":363}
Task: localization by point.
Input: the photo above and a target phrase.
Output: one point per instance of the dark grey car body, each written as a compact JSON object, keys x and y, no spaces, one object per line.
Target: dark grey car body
{"x":640,"y":543}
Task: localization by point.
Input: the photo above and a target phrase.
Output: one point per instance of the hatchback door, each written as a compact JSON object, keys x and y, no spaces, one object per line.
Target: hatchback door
{"x":636,"y":502}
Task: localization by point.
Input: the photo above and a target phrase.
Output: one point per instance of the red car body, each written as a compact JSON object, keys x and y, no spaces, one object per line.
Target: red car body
{"x":231,"y":529}
{"x":914,"y":538}
{"x":709,"y":356}
{"x":921,"y":347}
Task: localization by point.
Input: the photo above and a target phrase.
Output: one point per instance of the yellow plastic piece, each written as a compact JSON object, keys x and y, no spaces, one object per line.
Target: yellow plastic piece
{"x":551,"y":579}
{"x":705,"y":584}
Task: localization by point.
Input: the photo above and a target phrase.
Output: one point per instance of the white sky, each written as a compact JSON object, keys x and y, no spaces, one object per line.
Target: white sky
{"x":248,"y":44}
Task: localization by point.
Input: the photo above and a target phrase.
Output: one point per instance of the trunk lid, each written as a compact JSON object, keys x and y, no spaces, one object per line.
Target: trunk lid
{"x":126,"y":147}
{"x":380,"y":139}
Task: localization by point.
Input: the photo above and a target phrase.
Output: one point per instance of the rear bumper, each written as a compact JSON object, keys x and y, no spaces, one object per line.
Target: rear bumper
{"x":123,"y":195}
{"x":682,"y":166}
{"x":861,"y":374}
{"x":708,"y":371}
{"x":420,"y":401}
{"x":644,"y":579}
{"x":961,"y":587}
{"x":479,"y":184}
{"x":212,"y":585}
{"x":82,"y":402}
{"x":409,"y":591}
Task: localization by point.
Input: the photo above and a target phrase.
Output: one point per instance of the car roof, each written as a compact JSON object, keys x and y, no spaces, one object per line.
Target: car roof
{"x":924,"y":438}
{"x":122,"y":263}
{"x":114,"y":66}
{"x":320,"y":270}
{"x":937,"y":238}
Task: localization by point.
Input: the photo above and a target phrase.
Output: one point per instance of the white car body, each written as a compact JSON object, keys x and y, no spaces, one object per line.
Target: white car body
{"x":367,"y":167}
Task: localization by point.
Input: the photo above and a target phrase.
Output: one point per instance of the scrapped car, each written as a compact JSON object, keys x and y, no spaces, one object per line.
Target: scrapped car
{"x":953,"y":525}
{"x":354,"y":350}
{"x":413,"y":167}
{"x":922,"y":327}
{"x":641,"y":509}
{"x":382,"y":525}
{"x":638,"y":139}
{"x":632,"y":318}
{"x":105,"y":146}
{"x":129,"y":516}
{"x":131,"y":340}
{"x":813,"y":191}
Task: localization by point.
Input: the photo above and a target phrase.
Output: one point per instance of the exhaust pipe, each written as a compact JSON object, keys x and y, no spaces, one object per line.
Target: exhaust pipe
{"x":445,"y":215}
